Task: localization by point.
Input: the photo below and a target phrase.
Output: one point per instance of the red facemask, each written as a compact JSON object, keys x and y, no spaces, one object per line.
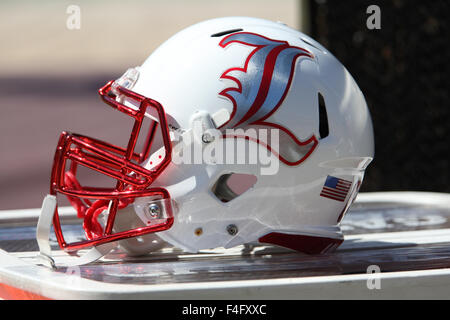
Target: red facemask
{"x":124,"y":165}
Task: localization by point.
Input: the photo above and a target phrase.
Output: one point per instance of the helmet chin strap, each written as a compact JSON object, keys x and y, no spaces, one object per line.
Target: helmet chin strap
{"x":43,"y":236}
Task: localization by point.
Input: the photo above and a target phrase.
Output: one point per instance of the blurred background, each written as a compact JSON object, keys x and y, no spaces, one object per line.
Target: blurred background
{"x":50,"y":74}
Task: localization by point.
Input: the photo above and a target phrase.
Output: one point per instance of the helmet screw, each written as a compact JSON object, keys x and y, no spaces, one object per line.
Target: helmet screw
{"x":232,"y":229}
{"x":154,"y":210}
{"x":207,"y":137}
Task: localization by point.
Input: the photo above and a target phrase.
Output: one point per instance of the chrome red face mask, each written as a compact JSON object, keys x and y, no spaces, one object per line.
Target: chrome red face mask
{"x":122,"y":164}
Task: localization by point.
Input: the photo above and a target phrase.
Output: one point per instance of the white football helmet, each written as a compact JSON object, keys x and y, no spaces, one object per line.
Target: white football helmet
{"x":257,"y":134}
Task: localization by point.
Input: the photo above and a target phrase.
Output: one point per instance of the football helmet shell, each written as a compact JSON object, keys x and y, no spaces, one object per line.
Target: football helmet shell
{"x":226,"y":74}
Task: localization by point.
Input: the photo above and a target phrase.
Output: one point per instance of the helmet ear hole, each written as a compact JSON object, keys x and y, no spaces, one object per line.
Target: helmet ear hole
{"x":231,"y":185}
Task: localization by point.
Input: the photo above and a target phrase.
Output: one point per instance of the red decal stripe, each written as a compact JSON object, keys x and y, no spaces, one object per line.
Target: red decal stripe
{"x":333,"y":191}
{"x":337,"y":199}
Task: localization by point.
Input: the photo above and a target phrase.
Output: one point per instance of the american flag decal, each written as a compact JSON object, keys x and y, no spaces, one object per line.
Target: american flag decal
{"x":335,"y":188}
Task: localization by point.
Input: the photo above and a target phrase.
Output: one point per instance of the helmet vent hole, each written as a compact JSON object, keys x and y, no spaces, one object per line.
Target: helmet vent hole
{"x":219,"y":34}
{"x":323,"y":118}
{"x":312,"y":45}
{"x":230,"y":186}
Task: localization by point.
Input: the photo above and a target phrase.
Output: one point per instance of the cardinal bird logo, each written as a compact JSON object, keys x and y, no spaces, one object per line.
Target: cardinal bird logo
{"x":262,"y":85}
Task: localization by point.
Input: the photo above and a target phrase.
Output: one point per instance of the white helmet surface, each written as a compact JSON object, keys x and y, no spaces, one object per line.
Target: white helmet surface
{"x":263,"y":136}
